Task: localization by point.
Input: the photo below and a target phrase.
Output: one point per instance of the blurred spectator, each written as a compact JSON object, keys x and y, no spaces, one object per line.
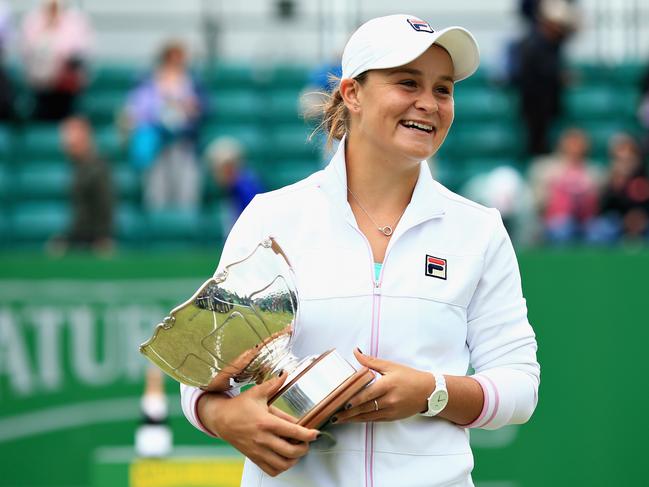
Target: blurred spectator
{"x":538,"y":71}
{"x":625,"y":200}
{"x":643,"y":112}
{"x":566,"y":188}
{"x":164,"y":112}
{"x":239,"y":183}
{"x":529,"y":9}
{"x":91,"y":195}
{"x":7,"y":95}
{"x":153,"y":437}
{"x":56,"y":40}
{"x":505,"y":189}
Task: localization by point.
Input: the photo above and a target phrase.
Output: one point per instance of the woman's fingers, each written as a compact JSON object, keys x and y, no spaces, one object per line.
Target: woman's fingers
{"x":368,"y":407}
{"x":378,"y":389}
{"x":286,"y":429}
{"x":274,"y":464}
{"x":281,"y":414}
{"x":287,"y":449}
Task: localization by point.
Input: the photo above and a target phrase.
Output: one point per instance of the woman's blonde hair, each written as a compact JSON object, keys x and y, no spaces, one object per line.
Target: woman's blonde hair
{"x":335,"y":116}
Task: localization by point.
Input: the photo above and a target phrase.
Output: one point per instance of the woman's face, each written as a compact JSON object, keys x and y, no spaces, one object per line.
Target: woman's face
{"x":407,"y":111}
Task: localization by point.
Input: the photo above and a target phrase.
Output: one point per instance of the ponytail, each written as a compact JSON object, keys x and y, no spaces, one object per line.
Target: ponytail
{"x":335,"y":116}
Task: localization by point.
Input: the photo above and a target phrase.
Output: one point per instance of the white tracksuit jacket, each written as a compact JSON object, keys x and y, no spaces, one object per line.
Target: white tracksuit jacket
{"x":475,"y":317}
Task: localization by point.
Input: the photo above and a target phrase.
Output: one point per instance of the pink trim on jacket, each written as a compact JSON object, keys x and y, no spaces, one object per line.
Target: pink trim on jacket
{"x":496,"y":405}
{"x":485,"y":403}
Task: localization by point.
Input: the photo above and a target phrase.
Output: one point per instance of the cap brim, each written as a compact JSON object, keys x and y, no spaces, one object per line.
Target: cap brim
{"x":458,"y":42}
{"x":463,"y":49}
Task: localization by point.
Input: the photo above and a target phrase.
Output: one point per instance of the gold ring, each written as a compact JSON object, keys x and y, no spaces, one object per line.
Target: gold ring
{"x":376,"y":405}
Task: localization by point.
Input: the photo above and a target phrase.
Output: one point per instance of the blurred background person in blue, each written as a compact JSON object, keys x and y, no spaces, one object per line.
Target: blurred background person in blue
{"x":538,"y":70}
{"x":624,"y":207}
{"x":566,"y":187}
{"x":91,"y":194}
{"x":56,"y":45}
{"x":165,"y":112}
{"x":238,"y":183}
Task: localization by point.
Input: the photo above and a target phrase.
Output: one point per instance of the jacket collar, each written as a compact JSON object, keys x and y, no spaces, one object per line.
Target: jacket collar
{"x":426,"y":202}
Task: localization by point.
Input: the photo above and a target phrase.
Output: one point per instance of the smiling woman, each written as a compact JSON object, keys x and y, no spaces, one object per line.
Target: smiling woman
{"x":389,"y":261}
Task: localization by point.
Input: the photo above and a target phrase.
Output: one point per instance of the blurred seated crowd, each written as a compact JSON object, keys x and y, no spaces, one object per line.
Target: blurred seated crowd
{"x":552,"y":189}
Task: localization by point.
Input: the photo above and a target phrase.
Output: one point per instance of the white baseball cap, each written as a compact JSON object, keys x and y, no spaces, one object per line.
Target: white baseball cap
{"x":395,"y":40}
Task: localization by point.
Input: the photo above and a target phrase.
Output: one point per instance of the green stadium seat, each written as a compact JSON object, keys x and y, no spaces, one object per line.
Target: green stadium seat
{"x":289,"y":172}
{"x":591,"y":73}
{"x":289,"y":76}
{"x":238,"y":106}
{"x":173,"y":225}
{"x":234,"y":76}
{"x":42,"y":180}
{"x":213,"y":219}
{"x":39,"y":221}
{"x":211,"y":191}
{"x":115,"y":77}
{"x":471,"y":140}
{"x":5,"y":143}
{"x":479,"y":79}
{"x":483,"y":104}
{"x":447,"y":172}
{"x":39,"y":141}
{"x":629,"y":74}
{"x":290,"y":141}
{"x":108,"y":142}
{"x":5,"y":233}
{"x":591,"y":102}
{"x":130,"y":223}
{"x":283,"y":106}
{"x":126,"y":183}
{"x":4,"y":182}
{"x":103,"y":106}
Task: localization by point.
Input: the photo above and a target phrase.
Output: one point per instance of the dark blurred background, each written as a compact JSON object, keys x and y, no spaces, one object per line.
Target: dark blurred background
{"x":132,"y":134}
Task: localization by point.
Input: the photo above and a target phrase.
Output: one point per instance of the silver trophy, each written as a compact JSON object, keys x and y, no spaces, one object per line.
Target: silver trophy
{"x":238,"y":328}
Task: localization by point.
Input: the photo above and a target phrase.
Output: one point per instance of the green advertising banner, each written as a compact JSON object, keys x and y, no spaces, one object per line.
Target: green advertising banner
{"x":71,"y":377}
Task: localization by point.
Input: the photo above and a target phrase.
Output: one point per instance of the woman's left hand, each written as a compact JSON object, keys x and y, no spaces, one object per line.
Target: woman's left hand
{"x":400,"y":392}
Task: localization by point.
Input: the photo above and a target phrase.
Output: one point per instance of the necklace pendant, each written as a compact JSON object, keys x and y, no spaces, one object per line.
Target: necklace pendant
{"x":386,"y":230}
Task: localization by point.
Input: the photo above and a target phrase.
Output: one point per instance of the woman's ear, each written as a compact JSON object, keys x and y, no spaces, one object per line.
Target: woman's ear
{"x":350,"y":92}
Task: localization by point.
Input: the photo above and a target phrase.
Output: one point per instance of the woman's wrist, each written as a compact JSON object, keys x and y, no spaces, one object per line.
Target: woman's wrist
{"x":206,"y":404}
{"x":428,"y":386}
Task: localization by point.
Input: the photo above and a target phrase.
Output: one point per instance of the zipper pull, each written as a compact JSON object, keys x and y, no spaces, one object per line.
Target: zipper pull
{"x":377,"y":288}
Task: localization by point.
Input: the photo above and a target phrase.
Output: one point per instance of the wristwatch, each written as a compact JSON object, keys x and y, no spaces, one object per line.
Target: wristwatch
{"x":438,"y":400}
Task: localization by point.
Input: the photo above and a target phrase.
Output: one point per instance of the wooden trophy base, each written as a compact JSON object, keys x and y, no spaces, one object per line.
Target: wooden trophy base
{"x":332,"y":395}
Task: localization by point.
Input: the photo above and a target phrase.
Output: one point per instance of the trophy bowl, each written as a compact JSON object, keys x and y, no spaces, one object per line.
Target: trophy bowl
{"x":238,"y":328}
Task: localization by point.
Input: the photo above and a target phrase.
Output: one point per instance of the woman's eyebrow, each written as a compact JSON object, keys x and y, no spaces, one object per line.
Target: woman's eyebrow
{"x":416,"y":72}
{"x":412,"y":71}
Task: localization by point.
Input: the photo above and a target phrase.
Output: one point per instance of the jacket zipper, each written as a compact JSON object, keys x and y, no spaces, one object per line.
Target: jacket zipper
{"x":374,"y":350}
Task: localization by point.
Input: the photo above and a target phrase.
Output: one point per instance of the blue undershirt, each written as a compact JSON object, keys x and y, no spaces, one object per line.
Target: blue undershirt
{"x":377,"y":270}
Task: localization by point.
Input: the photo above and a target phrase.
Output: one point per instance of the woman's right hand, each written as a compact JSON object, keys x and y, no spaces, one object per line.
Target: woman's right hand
{"x":267,"y":436}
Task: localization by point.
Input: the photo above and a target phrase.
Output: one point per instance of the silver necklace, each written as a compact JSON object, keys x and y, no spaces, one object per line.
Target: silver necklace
{"x":386,"y":230}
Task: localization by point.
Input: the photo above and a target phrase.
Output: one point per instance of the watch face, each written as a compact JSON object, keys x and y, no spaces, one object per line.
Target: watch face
{"x":438,"y":400}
